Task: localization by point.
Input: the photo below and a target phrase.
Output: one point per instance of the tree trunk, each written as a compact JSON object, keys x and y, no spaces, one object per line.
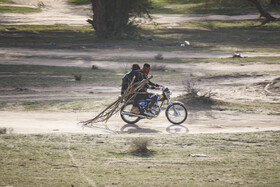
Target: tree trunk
{"x":111,"y":17}
{"x":263,"y":12}
{"x":98,"y":8}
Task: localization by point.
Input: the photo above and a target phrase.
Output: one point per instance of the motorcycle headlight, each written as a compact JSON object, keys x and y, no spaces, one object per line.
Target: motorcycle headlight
{"x":168,"y":93}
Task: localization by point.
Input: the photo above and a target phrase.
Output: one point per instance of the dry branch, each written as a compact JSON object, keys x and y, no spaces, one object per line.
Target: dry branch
{"x":113,"y":108}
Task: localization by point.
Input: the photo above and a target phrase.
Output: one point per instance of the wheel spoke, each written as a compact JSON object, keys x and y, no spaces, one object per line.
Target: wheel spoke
{"x":127,"y":118}
{"x":176,"y":113}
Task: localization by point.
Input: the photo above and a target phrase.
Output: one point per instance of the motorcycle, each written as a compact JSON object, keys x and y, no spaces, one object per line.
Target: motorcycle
{"x":175,"y":112}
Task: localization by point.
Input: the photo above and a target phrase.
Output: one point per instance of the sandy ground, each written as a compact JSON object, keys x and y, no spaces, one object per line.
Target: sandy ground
{"x":61,"y":12}
{"x":197,"y":122}
{"x":241,"y":87}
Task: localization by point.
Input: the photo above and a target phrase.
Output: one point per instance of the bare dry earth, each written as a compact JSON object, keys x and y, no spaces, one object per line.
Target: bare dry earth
{"x":61,"y":12}
{"x":242,"y":85}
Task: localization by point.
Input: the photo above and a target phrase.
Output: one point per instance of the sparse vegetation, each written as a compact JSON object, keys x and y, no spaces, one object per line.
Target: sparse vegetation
{"x":57,"y":27}
{"x":159,"y":56}
{"x":11,"y":9}
{"x":78,"y":77}
{"x":197,"y":95}
{"x":3,"y":130}
{"x":232,"y":24}
{"x":6,"y":2}
{"x":233,"y":159}
{"x":56,"y":104}
{"x":140,"y":146}
{"x":191,"y":87}
{"x":223,"y":40}
{"x":80,"y":2}
{"x":64,"y":160}
{"x":41,"y":4}
{"x":159,"y":67}
{"x":46,"y":76}
{"x":222,"y":7}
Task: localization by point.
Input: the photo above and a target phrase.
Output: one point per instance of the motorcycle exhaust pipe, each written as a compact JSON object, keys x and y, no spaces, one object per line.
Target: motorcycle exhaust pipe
{"x":131,"y":114}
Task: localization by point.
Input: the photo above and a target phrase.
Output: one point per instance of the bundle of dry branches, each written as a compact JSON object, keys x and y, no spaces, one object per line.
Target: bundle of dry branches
{"x":113,"y":108}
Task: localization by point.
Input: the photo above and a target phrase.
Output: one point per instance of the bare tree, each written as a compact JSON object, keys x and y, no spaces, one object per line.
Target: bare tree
{"x":111,"y":18}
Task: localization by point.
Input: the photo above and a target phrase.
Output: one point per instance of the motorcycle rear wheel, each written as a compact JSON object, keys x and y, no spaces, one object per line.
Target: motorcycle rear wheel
{"x":176,"y":113}
{"x":127,"y":118}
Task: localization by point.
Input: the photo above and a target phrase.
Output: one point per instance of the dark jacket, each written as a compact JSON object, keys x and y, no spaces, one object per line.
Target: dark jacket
{"x":126,"y":80}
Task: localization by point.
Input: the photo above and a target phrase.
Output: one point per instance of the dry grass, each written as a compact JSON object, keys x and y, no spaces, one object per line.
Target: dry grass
{"x":140,"y":145}
{"x":244,"y":159}
{"x":159,"y":67}
{"x":196,"y":94}
{"x":159,"y":56}
{"x":191,"y":87}
{"x":3,"y":130}
{"x":78,"y":77}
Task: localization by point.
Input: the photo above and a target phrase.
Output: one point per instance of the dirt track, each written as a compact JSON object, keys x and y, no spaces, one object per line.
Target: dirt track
{"x":203,"y":121}
{"x":197,"y":122}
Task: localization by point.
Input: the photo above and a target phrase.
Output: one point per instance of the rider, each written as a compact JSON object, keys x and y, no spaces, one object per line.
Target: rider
{"x":146,"y":70}
{"x":145,"y":95}
{"x":126,"y":80}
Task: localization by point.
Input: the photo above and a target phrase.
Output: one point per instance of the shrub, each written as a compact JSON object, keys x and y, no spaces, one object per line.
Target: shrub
{"x":159,"y":68}
{"x":78,"y":77}
{"x":196,"y":94}
{"x":3,"y":130}
{"x":140,"y":145}
{"x":159,"y":56}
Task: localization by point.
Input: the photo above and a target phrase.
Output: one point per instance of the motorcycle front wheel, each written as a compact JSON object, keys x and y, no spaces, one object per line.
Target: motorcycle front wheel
{"x":127,"y":118}
{"x":176,"y":113}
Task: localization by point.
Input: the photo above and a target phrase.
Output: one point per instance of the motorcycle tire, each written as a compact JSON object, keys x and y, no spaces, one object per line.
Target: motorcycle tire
{"x":126,"y":118}
{"x":177,"y":110}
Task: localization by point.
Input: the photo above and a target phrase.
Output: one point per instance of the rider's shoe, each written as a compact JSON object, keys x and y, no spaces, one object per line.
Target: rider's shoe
{"x":135,"y":110}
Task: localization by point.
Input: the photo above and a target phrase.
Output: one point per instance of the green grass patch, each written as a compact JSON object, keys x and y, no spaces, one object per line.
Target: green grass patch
{"x":253,"y":106}
{"x":57,"y":105}
{"x":258,"y":39}
{"x":205,"y":102}
{"x":58,"y":27}
{"x":230,"y":60}
{"x":252,"y":25}
{"x":201,"y":7}
{"x":229,"y":36}
{"x":245,"y":159}
{"x":47,"y":76}
{"x":40,"y":36}
{"x":12,"y":9}
{"x":222,"y":7}
{"x":80,"y":2}
{"x":6,"y":2}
